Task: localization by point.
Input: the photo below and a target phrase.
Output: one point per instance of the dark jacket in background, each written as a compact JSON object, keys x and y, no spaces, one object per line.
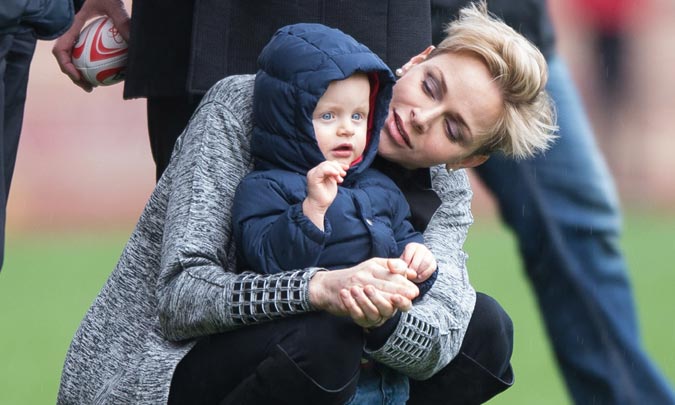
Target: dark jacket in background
{"x":529,"y":17}
{"x":184,"y":47}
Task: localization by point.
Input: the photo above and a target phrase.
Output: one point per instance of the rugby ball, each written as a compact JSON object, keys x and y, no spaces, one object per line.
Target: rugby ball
{"x":100,"y":53}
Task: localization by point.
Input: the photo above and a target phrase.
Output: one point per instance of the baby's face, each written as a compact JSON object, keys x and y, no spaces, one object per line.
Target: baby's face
{"x":341,"y":119}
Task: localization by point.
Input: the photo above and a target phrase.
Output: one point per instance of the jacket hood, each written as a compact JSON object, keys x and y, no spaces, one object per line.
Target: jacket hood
{"x":295,"y":69}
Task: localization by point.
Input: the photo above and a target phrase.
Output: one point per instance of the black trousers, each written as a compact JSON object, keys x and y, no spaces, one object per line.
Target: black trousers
{"x":167,"y":118}
{"x":16,"y":53}
{"x":482,"y":369}
{"x":316,"y":359}
{"x":308,"y":359}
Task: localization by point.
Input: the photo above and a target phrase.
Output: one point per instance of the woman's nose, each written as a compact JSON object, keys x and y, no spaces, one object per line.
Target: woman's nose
{"x":421,"y":119}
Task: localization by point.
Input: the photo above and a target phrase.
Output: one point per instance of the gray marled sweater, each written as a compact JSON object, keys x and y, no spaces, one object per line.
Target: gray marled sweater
{"x":175,"y":280}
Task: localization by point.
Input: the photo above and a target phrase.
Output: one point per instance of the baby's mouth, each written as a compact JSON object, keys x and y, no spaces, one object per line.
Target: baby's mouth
{"x":343,"y":150}
{"x":346,"y":147}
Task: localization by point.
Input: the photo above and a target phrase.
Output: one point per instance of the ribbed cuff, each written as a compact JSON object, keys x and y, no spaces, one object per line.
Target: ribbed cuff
{"x":306,"y":303}
{"x":377,"y":337}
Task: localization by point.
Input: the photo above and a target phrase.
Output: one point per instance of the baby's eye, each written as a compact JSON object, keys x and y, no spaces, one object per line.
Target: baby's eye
{"x":357,"y":116}
{"x":327,"y":116}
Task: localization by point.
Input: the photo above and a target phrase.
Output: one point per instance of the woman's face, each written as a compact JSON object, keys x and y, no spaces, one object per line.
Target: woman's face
{"x":439,"y":108}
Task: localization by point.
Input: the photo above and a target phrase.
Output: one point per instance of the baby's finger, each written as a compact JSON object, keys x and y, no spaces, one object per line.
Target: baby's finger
{"x":407,"y":255}
{"x":339,"y":167}
{"x":426,"y":273}
{"x":415,"y":262}
{"x":333,"y":169}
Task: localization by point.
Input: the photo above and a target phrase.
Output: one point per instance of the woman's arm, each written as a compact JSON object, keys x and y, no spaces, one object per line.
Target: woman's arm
{"x":198,"y":292}
{"x":431,"y":333}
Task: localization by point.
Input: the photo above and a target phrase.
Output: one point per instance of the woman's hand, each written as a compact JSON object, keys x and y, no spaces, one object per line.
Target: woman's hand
{"x":370,"y":292}
{"x":63,"y":47}
{"x":369,"y":308}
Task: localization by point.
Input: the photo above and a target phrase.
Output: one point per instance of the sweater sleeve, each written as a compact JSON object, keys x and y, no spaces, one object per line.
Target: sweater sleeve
{"x":403,"y":229}
{"x":272,"y":233}
{"x":198,"y":291}
{"x":429,"y":336}
{"x":405,"y":233}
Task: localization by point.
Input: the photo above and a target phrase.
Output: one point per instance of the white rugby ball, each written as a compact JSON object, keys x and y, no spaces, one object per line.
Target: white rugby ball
{"x":100,"y":53}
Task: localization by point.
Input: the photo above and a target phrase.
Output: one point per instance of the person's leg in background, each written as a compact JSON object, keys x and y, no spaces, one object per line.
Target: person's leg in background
{"x":167,"y":118}
{"x":16,"y":53}
{"x":481,"y":369}
{"x":564,"y":211}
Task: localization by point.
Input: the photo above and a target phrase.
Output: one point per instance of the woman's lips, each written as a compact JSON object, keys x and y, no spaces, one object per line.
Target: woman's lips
{"x":397,"y":131}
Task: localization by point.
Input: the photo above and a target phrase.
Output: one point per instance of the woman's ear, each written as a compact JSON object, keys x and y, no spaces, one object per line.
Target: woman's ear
{"x":417,"y":59}
{"x":471,"y":161}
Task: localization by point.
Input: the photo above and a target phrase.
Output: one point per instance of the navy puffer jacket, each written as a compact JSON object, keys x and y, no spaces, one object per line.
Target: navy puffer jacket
{"x":368,"y":216}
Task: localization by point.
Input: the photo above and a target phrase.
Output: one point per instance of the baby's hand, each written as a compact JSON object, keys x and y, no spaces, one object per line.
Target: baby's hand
{"x":420,"y":259}
{"x":322,"y":183}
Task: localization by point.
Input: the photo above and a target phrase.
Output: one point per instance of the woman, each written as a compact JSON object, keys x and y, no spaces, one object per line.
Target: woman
{"x":175,"y":282}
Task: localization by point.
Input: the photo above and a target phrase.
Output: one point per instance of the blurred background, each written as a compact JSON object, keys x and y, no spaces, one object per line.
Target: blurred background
{"x":84,"y":172}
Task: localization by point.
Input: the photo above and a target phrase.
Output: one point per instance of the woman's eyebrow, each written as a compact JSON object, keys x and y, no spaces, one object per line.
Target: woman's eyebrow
{"x":439,"y":74}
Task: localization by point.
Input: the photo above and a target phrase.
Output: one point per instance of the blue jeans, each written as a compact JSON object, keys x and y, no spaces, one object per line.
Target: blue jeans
{"x":563,"y":208}
{"x":380,"y":385}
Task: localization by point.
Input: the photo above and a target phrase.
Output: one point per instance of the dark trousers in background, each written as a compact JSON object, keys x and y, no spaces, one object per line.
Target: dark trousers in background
{"x":16,"y":53}
{"x":167,"y":118}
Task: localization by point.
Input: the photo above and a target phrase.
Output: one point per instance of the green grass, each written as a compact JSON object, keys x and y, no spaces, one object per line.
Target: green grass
{"x":46,"y":285}
{"x":48,"y":282}
{"x":494,"y":268}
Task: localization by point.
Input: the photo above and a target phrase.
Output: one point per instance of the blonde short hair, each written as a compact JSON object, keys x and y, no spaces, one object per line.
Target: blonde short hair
{"x":526,"y":125}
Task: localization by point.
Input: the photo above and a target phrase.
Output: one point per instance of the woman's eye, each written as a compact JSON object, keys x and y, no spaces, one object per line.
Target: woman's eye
{"x":430,"y":87}
{"x":357,"y":116}
{"x":326,"y":116}
{"x":427,"y":88}
{"x":452,"y":130}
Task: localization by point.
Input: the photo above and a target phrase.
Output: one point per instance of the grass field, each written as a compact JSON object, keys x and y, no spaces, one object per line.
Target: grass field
{"x":49,"y":280}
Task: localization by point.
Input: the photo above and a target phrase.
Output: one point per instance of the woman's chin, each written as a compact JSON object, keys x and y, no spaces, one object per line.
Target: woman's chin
{"x":386,"y":151}
{"x":396,"y":155}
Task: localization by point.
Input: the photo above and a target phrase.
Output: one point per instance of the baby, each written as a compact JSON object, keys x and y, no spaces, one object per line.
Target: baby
{"x":320,"y":101}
